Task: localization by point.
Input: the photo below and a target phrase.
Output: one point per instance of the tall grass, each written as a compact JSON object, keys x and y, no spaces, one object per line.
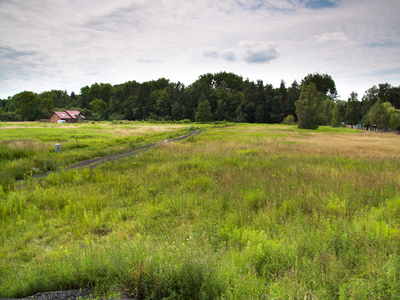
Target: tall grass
{"x":28,"y":149}
{"x":244,"y":213}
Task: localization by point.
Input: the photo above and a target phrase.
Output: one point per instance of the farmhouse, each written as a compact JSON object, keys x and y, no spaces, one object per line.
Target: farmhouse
{"x":68,"y":116}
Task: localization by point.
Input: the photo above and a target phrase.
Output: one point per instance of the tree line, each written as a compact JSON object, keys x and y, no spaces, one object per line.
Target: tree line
{"x":214,"y":97}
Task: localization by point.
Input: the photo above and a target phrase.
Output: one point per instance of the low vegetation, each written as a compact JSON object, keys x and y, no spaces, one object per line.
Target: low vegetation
{"x":27,"y":149}
{"x":243,"y":212}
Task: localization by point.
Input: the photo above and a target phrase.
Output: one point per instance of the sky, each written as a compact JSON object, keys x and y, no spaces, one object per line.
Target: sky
{"x":68,"y":44}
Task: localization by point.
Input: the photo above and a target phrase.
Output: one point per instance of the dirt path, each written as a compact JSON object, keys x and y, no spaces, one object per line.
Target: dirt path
{"x":67,"y":295}
{"x":93,"y":163}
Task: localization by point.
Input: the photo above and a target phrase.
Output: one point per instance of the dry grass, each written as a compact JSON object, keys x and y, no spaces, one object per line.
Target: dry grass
{"x":358,"y":145}
{"x":138,"y":130}
{"x":31,"y":145}
{"x":362,"y":145}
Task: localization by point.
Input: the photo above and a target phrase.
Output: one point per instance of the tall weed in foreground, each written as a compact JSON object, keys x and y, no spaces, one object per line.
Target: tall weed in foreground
{"x":232,"y":214}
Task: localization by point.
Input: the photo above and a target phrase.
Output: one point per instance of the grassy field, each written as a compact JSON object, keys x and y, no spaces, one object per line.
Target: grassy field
{"x":27,"y":148}
{"x":243,"y":212}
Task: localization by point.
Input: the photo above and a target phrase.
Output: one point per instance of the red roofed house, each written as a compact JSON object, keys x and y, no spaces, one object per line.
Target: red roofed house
{"x":69,"y":116}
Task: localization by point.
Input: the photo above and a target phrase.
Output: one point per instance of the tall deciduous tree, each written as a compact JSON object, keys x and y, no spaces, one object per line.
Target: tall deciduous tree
{"x":327,"y":107}
{"x":28,"y":106}
{"x":324,"y":84}
{"x":46,"y":103}
{"x":384,"y":115}
{"x":99,"y":107}
{"x":308,"y":107}
{"x":394,"y":116}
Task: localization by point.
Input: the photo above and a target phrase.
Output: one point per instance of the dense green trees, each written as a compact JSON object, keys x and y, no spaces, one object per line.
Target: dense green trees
{"x":229,"y":96}
{"x":99,"y":107}
{"x":353,"y":110}
{"x":31,"y":107}
{"x":384,"y":115}
{"x":60,"y":98}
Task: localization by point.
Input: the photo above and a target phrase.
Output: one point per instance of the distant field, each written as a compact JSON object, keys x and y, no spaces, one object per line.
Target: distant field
{"x":240,"y":212}
{"x":27,"y":148}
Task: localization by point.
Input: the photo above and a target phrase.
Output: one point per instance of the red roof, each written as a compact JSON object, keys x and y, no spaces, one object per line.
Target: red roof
{"x":68,"y":114}
{"x":62,"y":115}
{"x":74,"y":113}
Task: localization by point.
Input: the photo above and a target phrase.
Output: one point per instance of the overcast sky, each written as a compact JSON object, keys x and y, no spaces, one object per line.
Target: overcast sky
{"x":68,"y":44}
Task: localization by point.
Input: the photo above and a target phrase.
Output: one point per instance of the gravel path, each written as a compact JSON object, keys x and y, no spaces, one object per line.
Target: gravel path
{"x":84,"y":294}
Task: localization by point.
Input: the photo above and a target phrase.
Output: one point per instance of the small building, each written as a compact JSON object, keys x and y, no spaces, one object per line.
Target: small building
{"x":69,"y":116}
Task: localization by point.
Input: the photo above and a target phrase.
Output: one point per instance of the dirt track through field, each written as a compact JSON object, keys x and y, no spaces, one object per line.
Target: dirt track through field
{"x":92,"y":163}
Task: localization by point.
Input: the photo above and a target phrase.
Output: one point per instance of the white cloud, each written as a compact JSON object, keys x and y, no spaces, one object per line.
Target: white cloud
{"x":331,"y":36}
{"x":68,"y":44}
{"x":259,"y":52}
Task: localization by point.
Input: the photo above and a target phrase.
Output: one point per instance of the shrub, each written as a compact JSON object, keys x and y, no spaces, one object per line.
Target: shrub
{"x":289,"y":120}
{"x":185,"y":121}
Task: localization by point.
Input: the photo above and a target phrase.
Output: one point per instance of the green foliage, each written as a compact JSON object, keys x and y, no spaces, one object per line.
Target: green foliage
{"x":327,"y":107}
{"x":203,"y":113}
{"x":323,"y":83}
{"x":28,"y":106}
{"x":59,"y":99}
{"x":308,"y":107}
{"x":100,"y":107}
{"x":9,"y":117}
{"x":336,"y":117}
{"x":393,"y":114}
{"x":289,"y":120}
{"x":383,"y":115}
{"x":231,"y":98}
{"x":353,"y":109}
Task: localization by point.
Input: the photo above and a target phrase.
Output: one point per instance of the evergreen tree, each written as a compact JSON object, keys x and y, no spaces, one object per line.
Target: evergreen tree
{"x":203,"y":113}
{"x":353,"y":109}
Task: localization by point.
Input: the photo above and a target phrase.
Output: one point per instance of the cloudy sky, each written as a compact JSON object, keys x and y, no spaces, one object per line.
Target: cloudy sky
{"x":68,"y":44}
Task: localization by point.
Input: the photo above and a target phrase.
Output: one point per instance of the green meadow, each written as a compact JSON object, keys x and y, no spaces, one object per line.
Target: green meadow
{"x":240,"y":212}
{"x":27,"y":148}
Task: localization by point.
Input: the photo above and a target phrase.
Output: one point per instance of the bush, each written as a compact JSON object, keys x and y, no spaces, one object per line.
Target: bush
{"x":10,"y":117}
{"x":117,"y":117}
{"x":289,"y":120}
{"x":185,"y":121}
